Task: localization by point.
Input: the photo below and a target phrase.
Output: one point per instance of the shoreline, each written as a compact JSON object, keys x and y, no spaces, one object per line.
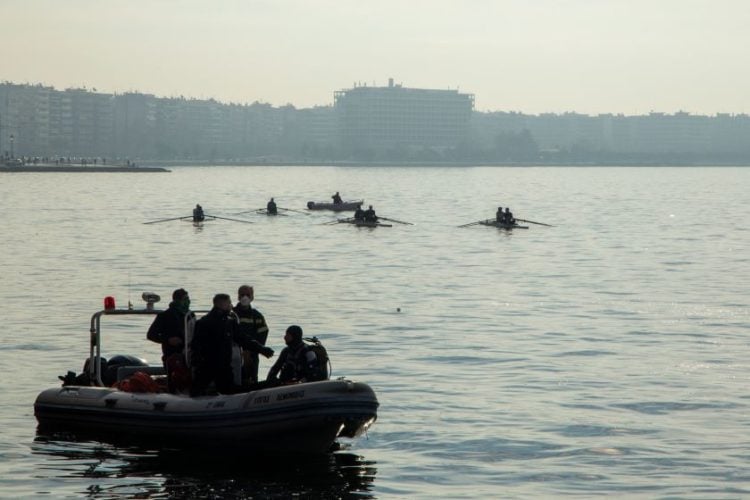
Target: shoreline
{"x":80,"y":168}
{"x":162,"y":165}
{"x":352,"y":163}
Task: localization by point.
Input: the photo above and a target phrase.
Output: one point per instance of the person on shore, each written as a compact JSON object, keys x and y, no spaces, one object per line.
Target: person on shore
{"x":168,"y":329}
{"x":253,"y":325}
{"x":297,"y":362}
{"x":211,"y":350}
{"x":337,"y":199}
{"x":370,"y":215}
{"x":198,"y":215}
{"x":271,"y":207}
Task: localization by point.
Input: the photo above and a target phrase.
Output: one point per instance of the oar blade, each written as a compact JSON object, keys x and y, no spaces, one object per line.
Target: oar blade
{"x":471,"y":223}
{"x":170,"y":219}
{"x":534,"y":222}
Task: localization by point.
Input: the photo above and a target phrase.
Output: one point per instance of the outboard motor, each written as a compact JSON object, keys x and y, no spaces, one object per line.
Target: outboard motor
{"x":109,"y":375}
{"x":83,"y":378}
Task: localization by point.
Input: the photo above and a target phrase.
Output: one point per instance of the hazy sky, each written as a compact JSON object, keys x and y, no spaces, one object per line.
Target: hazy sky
{"x":588,"y":56}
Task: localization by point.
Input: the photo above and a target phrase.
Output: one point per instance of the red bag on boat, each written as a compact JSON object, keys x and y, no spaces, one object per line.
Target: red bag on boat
{"x":138,"y":382}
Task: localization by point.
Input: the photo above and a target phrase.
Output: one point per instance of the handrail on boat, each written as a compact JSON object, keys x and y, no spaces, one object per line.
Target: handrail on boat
{"x":95,"y":348}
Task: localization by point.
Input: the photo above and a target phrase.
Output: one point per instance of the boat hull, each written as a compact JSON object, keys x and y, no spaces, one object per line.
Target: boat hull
{"x":298,"y":418}
{"x":500,"y":225}
{"x":362,"y":223}
{"x":347,"y":206}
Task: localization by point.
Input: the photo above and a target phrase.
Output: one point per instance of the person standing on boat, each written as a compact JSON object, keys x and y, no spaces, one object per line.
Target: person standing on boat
{"x":271,"y":208}
{"x":252,"y":324}
{"x":211,"y":350}
{"x":168,"y":329}
{"x":198,"y":215}
{"x":337,"y":199}
{"x":370,"y":215}
{"x":508,"y":216}
{"x":297,"y":362}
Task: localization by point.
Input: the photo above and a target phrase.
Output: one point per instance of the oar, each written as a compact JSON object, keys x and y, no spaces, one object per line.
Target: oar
{"x":227,"y":218}
{"x":532,"y":222}
{"x":472,"y":223}
{"x":166,"y":220}
{"x":248,"y":211}
{"x":394,"y":220}
{"x":292,"y":210}
{"x":264,"y":211}
{"x":337,"y":221}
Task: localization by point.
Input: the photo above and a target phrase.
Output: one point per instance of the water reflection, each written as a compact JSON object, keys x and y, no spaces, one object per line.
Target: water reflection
{"x":135,"y":472}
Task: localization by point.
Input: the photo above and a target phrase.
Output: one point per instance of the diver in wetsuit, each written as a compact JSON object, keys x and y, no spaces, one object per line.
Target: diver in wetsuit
{"x":297,"y":362}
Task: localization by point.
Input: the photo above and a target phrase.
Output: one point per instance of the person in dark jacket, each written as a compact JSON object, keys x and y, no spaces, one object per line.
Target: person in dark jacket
{"x":168,"y":329}
{"x":337,"y":199}
{"x":198,"y":215}
{"x":297,"y":362}
{"x":271,"y":207}
{"x":370,"y":215}
{"x":211,"y":349}
{"x":509,"y":219}
{"x":359,"y":214}
{"x":499,"y":215}
{"x":252,"y":324}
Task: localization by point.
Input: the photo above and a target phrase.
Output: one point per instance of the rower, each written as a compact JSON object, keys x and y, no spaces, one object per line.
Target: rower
{"x":499,"y":216}
{"x":271,"y":207}
{"x":370,"y":215}
{"x":509,"y":216}
{"x":198,"y":214}
{"x":359,"y":214}
{"x":337,"y":199}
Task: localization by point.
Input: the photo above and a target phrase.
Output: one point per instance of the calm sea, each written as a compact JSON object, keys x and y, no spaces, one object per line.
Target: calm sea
{"x":607,"y":355}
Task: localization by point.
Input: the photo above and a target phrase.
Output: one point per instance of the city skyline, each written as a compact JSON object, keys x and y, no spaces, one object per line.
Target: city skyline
{"x":550,"y":56}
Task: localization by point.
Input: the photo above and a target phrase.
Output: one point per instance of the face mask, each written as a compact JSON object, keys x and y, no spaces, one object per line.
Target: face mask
{"x":183,"y":306}
{"x":245,"y":300}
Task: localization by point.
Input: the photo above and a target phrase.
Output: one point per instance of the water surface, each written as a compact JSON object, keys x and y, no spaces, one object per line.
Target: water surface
{"x":605,"y":355}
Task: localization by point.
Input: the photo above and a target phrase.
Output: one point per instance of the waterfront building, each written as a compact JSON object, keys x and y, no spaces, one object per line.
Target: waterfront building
{"x":394,"y":120}
{"x":391,"y":123}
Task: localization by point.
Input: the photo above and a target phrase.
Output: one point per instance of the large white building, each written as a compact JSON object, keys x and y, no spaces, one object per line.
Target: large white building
{"x":397,"y":118}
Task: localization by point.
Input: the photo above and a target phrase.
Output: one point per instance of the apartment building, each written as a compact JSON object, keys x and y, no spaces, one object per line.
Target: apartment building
{"x":375,"y":120}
